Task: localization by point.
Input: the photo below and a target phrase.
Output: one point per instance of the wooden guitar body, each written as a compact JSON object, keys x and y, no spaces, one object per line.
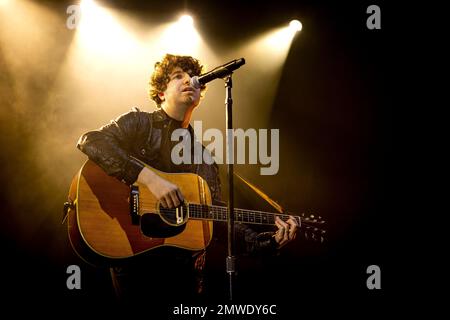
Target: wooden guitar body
{"x":102,"y":228}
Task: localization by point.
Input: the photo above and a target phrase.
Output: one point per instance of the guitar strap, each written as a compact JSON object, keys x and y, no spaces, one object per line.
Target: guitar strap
{"x":259,"y":192}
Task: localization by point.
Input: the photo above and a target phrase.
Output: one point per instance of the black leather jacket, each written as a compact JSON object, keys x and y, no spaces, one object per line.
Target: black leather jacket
{"x":146,"y":136}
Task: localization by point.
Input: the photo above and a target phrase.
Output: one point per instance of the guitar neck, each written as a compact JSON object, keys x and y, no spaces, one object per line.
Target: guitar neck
{"x":220,"y":213}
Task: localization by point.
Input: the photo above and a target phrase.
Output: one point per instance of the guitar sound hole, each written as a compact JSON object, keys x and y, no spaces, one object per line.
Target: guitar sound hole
{"x":176,"y":216}
{"x":153,"y":226}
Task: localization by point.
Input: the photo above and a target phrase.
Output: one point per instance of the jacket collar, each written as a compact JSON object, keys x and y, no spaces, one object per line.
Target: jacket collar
{"x":160,"y":116}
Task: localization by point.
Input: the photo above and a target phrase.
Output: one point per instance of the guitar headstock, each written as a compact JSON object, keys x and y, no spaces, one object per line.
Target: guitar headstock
{"x":311,"y":226}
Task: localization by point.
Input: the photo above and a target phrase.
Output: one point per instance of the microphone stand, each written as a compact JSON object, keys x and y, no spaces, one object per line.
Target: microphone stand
{"x":231,"y":258}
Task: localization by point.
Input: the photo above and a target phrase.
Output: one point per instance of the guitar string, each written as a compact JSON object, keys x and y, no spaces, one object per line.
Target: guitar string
{"x":224,"y":210}
{"x":202,"y":214}
{"x":202,"y":210}
{"x":256,"y":214}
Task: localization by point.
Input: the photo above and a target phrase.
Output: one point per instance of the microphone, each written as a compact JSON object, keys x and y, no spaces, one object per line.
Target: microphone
{"x":219,"y":72}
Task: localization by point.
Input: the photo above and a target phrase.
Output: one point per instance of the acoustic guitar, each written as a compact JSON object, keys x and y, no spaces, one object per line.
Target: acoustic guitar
{"x":109,"y":221}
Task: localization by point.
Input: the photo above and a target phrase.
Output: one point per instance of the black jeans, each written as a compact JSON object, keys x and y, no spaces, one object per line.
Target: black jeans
{"x":159,"y":280}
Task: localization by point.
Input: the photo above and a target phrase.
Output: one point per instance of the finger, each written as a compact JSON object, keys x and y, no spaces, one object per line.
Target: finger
{"x":298,"y":221}
{"x":163,"y":202}
{"x":285,"y":227}
{"x":278,"y":223}
{"x":293,"y":220}
{"x":174,"y":198}
{"x":281,"y":229}
{"x":286,"y":235}
{"x":292,"y":235}
{"x":284,"y":224}
{"x":180,"y":195}
{"x":293,"y":225}
{"x":279,"y":236}
{"x":169,"y":202}
{"x":278,"y":239}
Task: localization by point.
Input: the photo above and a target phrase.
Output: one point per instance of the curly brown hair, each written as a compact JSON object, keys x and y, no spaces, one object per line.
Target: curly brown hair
{"x":160,"y":76}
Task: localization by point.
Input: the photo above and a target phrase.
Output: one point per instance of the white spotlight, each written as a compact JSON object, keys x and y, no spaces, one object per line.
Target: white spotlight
{"x":88,"y":5}
{"x":295,"y":25}
{"x":186,"y":20}
{"x":181,"y":37}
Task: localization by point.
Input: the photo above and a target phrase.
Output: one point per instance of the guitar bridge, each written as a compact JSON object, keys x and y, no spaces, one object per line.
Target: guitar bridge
{"x":134,"y":204}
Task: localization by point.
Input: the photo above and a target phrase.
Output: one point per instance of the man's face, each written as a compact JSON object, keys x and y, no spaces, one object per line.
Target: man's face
{"x":179,"y":92}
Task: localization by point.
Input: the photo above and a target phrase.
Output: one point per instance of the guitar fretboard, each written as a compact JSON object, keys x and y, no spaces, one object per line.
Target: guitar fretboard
{"x":219,"y":213}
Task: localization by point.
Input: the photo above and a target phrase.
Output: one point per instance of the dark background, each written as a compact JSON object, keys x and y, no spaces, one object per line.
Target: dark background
{"x":334,"y":107}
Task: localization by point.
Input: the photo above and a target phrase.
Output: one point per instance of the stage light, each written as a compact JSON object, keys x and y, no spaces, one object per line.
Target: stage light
{"x":295,"y":25}
{"x":87,"y":5}
{"x":266,"y":55}
{"x":181,"y":37}
{"x":280,"y":40}
{"x":100,"y":33}
{"x":186,"y":20}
